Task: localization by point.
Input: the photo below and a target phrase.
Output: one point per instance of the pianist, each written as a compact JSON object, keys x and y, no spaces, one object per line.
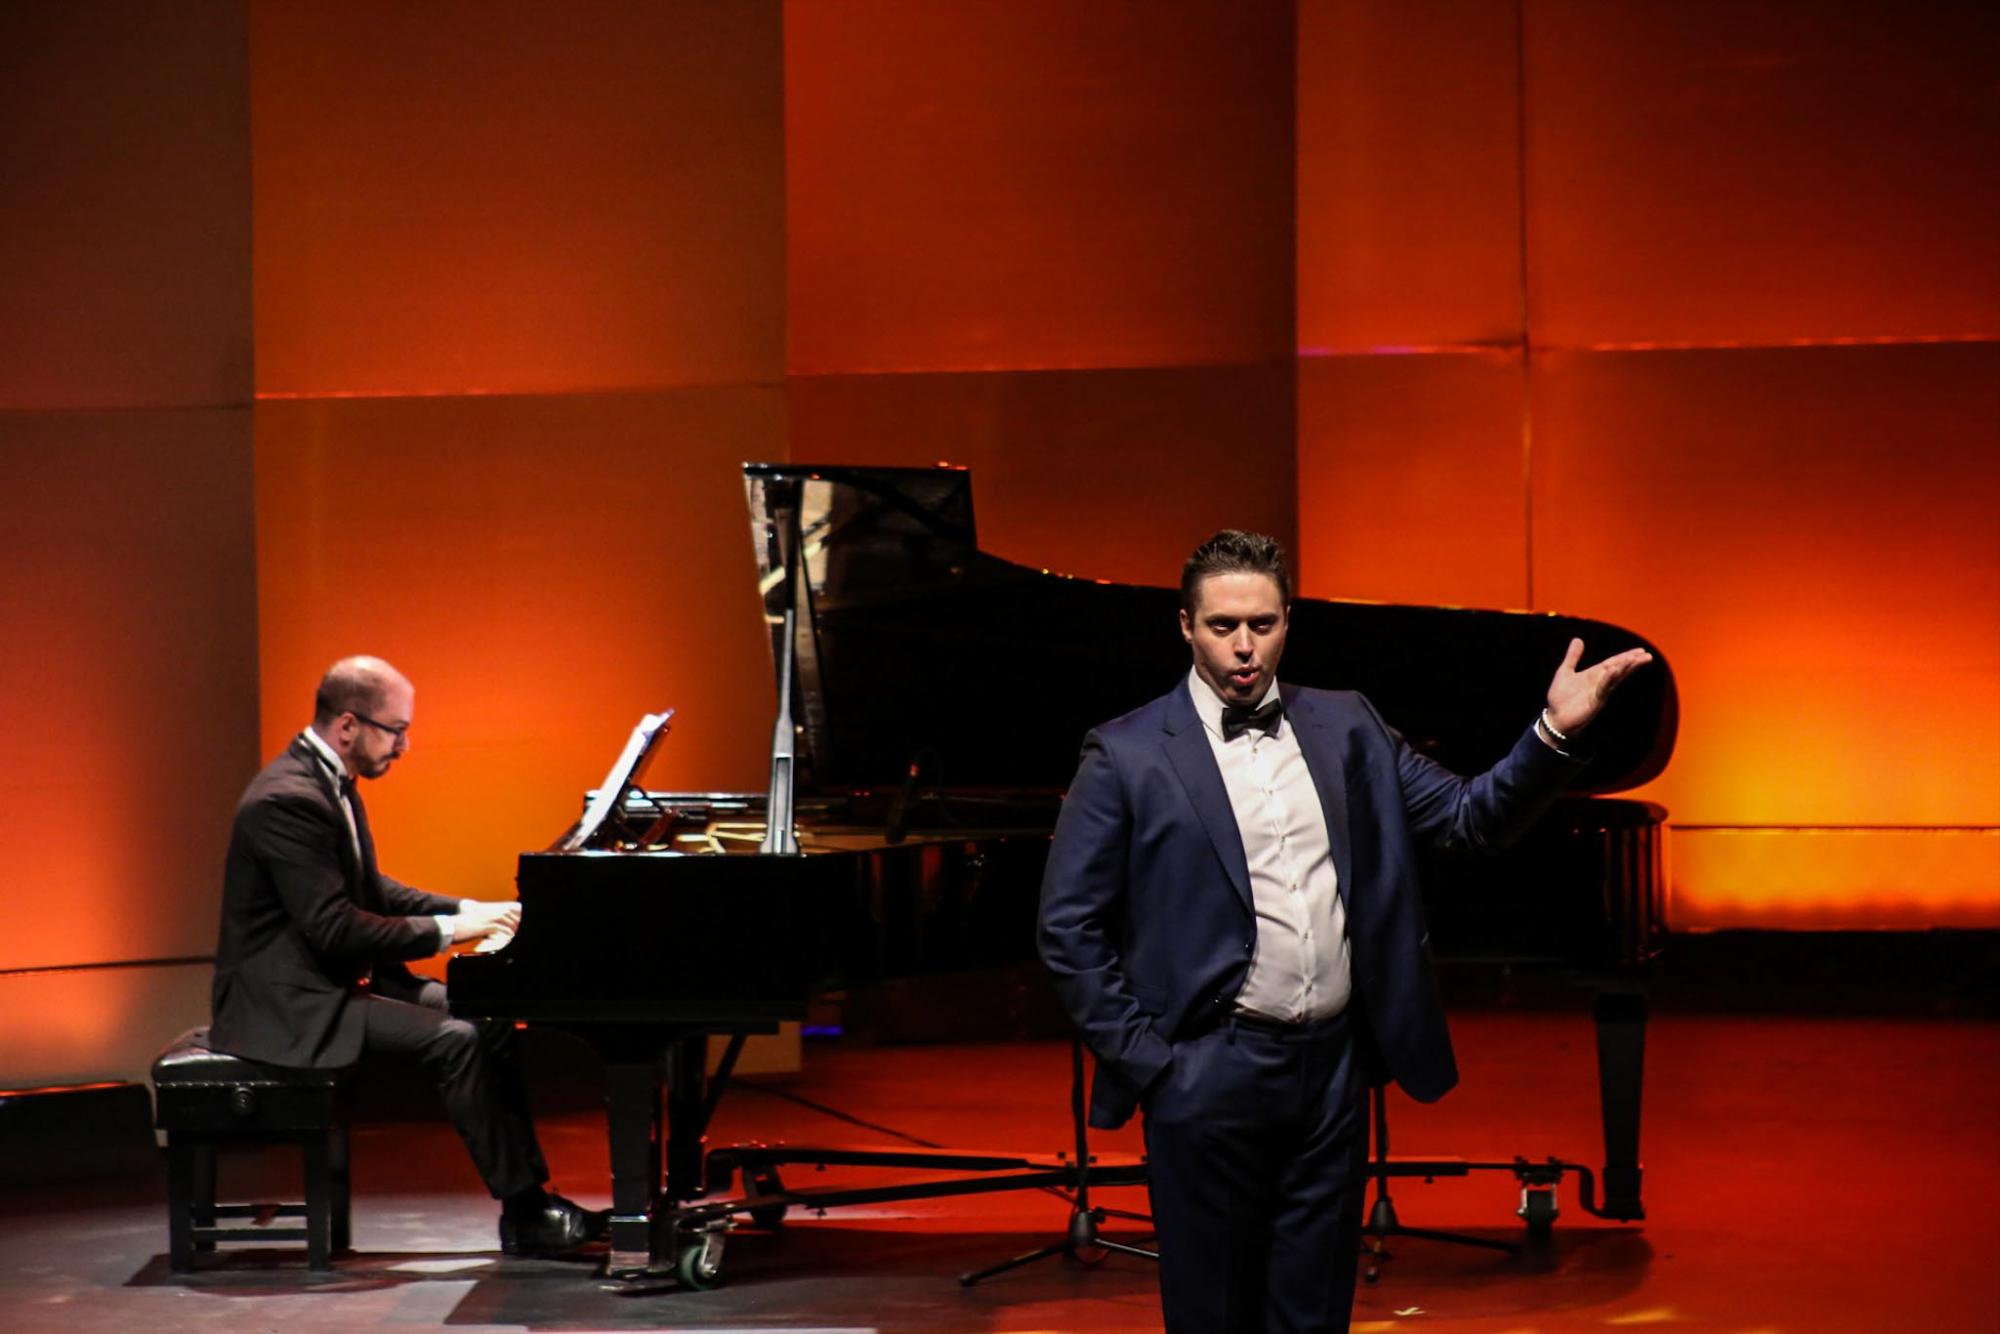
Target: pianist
{"x":309,"y":967}
{"x":1230,"y":912}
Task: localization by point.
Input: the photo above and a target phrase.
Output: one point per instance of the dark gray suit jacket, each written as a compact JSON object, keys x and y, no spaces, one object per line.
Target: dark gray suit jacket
{"x":304,"y":920}
{"x":1146,"y":915}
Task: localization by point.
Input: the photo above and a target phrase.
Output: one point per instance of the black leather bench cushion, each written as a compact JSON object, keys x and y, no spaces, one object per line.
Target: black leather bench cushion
{"x":201,"y":1090}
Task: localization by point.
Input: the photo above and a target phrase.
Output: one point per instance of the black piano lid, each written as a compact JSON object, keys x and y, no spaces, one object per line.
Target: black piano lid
{"x":914,"y":646}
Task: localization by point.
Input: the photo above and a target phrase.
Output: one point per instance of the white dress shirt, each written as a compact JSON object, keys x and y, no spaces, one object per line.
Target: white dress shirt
{"x":336,"y":769}
{"x":1299,"y":970}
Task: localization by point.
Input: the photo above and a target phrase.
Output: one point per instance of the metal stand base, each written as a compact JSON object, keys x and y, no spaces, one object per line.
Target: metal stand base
{"x":1382,"y":1222}
{"x":1382,"y":1225}
{"x":1082,"y":1242}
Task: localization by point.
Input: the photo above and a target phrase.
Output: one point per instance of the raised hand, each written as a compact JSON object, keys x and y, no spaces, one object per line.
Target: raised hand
{"x":1576,"y":697}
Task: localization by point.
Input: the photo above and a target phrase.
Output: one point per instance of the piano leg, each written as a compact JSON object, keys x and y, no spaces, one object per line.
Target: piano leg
{"x":632,"y":1111}
{"x":687,"y":1117}
{"x":1621,"y":1070}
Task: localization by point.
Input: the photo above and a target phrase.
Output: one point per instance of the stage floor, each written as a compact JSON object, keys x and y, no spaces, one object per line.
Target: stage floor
{"x":1802,"y":1175}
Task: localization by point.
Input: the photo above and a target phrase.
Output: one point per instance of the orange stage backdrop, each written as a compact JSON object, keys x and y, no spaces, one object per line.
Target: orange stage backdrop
{"x":1051,"y":242}
{"x":458,"y":198}
{"x":542,"y":596}
{"x":1685,"y":317}
{"x":1681,"y":316}
{"x":520,"y":315}
{"x":128,"y":614}
{"x":1017,"y":184}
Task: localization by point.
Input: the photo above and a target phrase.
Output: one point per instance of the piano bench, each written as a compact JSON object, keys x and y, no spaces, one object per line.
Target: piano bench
{"x":205,"y":1101}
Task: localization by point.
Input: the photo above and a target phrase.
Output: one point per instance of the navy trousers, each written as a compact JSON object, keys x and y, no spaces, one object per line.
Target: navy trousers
{"x":1257,"y":1143}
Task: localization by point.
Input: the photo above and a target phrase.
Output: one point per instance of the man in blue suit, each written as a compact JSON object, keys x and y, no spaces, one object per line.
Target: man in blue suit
{"x":1231,"y":914}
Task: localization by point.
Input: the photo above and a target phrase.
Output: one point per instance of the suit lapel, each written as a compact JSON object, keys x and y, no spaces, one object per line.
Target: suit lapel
{"x":350,"y":863}
{"x":1329,"y":775}
{"x":367,"y":881}
{"x":1194,"y":763}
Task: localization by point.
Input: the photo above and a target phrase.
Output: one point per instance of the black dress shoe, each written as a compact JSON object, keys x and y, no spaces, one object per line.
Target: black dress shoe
{"x":559,"y":1225}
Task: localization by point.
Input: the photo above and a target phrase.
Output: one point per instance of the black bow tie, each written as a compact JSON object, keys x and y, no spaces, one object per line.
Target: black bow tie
{"x":347,"y":787}
{"x":1237,"y":720}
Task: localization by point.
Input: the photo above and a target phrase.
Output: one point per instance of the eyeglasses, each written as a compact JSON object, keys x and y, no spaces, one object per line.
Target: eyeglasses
{"x":400,"y":731}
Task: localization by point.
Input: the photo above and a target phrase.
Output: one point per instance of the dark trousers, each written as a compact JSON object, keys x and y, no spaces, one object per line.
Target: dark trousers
{"x":1257,"y":1144}
{"x":477,"y":1068}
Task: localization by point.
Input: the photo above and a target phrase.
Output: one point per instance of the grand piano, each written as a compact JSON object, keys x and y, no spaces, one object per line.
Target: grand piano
{"x":910,"y":809}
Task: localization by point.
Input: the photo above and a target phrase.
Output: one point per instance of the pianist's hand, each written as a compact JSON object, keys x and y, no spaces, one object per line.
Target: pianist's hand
{"x":1576,"y":697}
{"x":477,"y":921}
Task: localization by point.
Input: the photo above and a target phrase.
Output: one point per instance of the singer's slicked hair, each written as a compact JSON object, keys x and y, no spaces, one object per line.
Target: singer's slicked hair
{"x":1233,"y":551}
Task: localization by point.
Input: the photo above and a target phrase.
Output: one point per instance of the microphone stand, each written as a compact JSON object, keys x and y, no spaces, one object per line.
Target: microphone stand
{"x":1084,"y":1220}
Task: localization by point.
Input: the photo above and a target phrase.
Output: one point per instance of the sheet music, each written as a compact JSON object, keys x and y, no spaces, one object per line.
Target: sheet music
{"x":624,"y":772}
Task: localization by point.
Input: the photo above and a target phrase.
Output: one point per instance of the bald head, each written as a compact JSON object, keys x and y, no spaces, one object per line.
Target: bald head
{"x":363,"y":711}
{"x":358,"y":685}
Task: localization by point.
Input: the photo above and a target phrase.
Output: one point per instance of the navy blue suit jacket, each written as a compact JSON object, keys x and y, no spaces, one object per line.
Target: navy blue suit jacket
{"x":1146,"y":917}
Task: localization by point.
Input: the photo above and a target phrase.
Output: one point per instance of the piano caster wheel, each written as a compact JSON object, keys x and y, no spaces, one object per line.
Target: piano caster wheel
{"x":766,"y":1182}
{"x":699,"y":1262}
{"x":1538,"y":1210}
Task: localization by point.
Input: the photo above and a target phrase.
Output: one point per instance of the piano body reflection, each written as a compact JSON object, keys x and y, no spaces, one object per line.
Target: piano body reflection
{"x":922,"y":802}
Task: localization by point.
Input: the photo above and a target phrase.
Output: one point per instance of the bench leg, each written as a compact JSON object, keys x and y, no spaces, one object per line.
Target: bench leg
{"x":319,"y":1205}
{"x":203,"y":1154}
{"x":180,"y":1206}
{"x":337,"y":1168}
